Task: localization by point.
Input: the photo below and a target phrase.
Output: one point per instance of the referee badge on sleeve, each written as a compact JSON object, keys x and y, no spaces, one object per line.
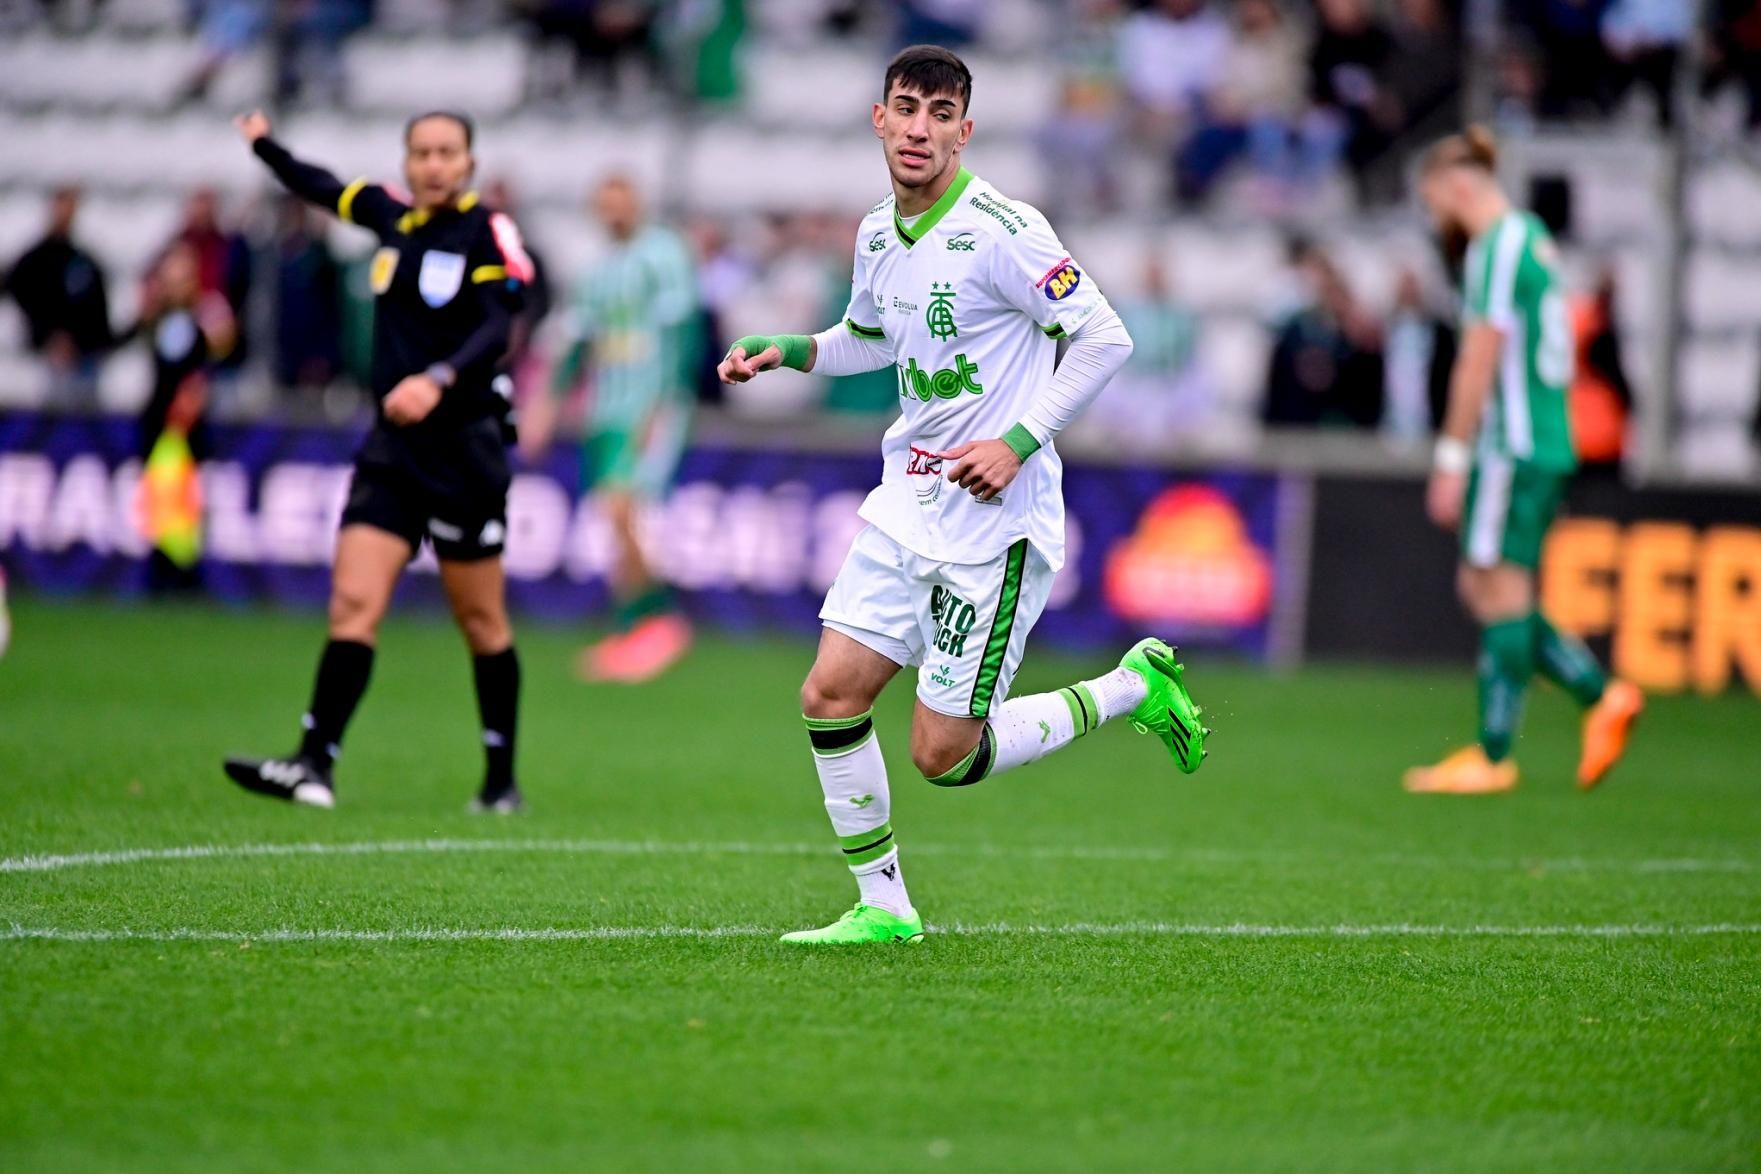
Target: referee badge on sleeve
{"x":440,"y":276}
{"x":384,"y":267}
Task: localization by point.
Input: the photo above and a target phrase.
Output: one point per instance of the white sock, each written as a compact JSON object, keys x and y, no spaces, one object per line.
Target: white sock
{"x":1026,"y":729}
{"x":853,"y":776}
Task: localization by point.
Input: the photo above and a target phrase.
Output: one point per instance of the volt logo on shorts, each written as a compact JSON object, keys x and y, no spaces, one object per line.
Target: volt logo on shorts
{"x":954,"y":618}
{"x":947,"y":383}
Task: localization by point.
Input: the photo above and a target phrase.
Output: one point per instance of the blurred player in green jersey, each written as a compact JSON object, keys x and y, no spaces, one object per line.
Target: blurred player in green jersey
{"x":632,"y":333}
{"x":1502,"y":465}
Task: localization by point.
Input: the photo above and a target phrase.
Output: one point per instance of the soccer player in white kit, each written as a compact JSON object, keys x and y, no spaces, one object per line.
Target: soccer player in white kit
{"x":966,"y":294}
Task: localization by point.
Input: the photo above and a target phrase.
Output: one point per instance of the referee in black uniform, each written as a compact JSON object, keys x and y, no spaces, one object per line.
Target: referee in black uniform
{"x":447,"y":281}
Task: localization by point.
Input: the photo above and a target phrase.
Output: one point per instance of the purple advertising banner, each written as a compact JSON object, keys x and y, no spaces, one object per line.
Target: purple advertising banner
{"x":750,"y":538}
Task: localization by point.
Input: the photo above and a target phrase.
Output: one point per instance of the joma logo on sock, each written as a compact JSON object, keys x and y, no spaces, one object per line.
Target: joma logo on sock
{"x":861,"y":800}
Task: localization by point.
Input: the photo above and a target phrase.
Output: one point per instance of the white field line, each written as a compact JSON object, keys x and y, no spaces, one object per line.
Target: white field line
{"x":21,"y":933}
{"x":58,"y":862}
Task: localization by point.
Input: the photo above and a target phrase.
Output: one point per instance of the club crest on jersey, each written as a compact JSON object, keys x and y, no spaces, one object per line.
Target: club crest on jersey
{"x":1061,"y":281}
{"x":440,"y":276}
{"x":940,"y":314}
{"x":381,"y":271}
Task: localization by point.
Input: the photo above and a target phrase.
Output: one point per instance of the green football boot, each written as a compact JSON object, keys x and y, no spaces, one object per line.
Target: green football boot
{"x":861,"y":926}
{"x":1167,"y":710}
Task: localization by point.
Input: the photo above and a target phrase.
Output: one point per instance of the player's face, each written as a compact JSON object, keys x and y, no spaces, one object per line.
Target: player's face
{"x":437,"y":163}
{"x":618,"y":209}
{"x":923,"y":135}
{"x":1440,"y":192}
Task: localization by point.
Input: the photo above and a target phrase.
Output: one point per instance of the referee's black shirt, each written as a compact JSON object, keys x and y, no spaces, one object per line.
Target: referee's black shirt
{"x":446,"y":286}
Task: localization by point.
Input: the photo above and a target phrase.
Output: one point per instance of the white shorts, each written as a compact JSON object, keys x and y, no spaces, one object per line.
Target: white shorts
{"x":964,"y":625}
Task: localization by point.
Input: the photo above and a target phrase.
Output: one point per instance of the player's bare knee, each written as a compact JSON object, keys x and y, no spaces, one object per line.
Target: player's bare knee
{"x":824,"y":696}
{"x":933,"y":756}
{"x":486,"y":629}
{"x":354,"y":614}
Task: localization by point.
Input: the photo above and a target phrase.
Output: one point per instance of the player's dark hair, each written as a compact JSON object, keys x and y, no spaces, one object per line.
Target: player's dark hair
{"x":931,"y":71}
{"x":462,"y":121}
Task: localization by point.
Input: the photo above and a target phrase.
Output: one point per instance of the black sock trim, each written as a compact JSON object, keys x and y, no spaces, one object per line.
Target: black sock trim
{"x":829,"y":740}
{"x":869,"y":847}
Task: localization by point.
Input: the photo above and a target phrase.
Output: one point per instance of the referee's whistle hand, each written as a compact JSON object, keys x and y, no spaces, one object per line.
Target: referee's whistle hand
{"x":737,"y":368}
{"x":252,"y":126}
{"x":411,"y":400}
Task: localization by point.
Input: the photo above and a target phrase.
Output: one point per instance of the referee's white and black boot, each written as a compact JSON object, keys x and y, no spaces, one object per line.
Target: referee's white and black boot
{"x":296,"y":779}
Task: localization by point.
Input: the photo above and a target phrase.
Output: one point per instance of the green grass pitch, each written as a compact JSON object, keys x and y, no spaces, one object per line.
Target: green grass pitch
{"x":1104,"y":995}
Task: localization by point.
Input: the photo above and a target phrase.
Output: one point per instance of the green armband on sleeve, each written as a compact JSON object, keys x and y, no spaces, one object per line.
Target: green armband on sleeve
{"x":793,"y":346}
{"x":1021,"y":442}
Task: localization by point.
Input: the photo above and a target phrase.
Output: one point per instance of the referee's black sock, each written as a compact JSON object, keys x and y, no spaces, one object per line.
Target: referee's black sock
{"x":498,"y":704}
{"x":343,"y":671}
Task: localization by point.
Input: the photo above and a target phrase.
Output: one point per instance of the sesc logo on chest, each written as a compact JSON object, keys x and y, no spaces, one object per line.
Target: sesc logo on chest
{"x":963,"y":242}
{"x":440,"y":277}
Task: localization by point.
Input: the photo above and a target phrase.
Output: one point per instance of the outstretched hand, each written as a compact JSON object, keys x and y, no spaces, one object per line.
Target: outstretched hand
{"x":737,"y":368}
{"x":252,"y":126}
{"x":983,"y":468}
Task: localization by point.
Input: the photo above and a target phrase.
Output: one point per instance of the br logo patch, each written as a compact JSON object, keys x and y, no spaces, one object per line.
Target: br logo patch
{"x":1062,"y":281}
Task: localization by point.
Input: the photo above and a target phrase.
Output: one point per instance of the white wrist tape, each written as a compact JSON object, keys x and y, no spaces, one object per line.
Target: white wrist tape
{"x":1452,"y":455}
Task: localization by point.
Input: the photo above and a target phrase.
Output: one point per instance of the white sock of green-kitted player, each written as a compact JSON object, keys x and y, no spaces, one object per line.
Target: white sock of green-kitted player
{"x":1026,"y":729}
{"x":853,"y":776}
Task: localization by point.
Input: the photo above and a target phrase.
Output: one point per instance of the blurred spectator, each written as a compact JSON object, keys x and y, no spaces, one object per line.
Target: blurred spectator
{"x":724,"y":277}
{"x":1734,"y":54}
{"x":60,"y":290}
{"x":306,"y":37}
{"x":1080,"y":144}
{"x":1170,"y":55}
{"x":1326,"y":362}
{"x":308,"y":321}
{"x":1163,"y":390}
{"x":223,"y":263}
{"x":1255,"y":106}
{"x":184,"y":326}
{"x":1426,"y":71}
{"x":954,"y":24}
{"x":704,"y":38}
{"x":1601,"y":397}
{"x":1645,"y":40}
{"x":1348,"y":78}
{"x":604,"y":38}
{"x":1419,"y":353}
{"x":1568,"y":34}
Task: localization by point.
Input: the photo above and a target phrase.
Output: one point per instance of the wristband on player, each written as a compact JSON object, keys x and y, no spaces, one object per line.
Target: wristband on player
{"x":441,"y":373}
{"x":1021,"y":442}
{"x":795,"y":347}
{"x":1452,"y":455}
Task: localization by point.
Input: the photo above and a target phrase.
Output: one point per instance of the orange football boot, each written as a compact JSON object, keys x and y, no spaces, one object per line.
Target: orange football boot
{"x":1606,"y":728}
{"x":1466,"y":772}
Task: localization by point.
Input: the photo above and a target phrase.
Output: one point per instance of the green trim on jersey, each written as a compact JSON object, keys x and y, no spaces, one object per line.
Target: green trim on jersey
{"x":861,"y":331}
{"x":990,"y":669}
{"x":1509,"y":283}
{"x":928,"y":221}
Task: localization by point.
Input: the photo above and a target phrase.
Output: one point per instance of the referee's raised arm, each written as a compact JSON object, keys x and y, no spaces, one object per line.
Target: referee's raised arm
{"x":358,"y":202}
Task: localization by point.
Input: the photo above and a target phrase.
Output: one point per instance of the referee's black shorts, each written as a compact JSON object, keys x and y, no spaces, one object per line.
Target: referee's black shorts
{"x":454,"y":498}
